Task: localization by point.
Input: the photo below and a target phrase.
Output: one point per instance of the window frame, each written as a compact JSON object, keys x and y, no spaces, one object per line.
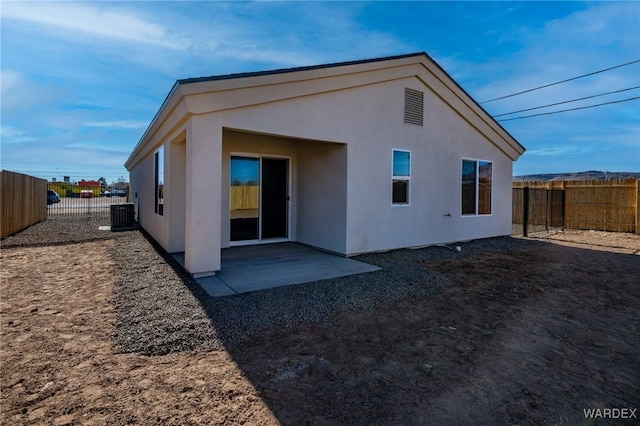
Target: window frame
{"x":476,"y":211}
{"x":158,"y":173}
{"x":406,"y":178}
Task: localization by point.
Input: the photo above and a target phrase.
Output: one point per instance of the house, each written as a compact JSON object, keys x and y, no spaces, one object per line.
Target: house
{"x":350,"y":157}
{"x":74,"y":190}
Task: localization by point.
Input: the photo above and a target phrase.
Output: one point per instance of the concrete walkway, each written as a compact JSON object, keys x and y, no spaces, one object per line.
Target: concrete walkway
{"x":258,"y":267}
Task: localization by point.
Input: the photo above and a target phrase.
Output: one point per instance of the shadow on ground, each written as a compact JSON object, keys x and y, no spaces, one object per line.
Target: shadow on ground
{"x":508,"y":331}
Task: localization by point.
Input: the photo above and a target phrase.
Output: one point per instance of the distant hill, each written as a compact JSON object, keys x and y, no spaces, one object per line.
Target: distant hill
{"x":590,"y":175}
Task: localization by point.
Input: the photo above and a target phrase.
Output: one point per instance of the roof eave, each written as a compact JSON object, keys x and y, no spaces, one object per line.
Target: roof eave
{"x":151,"y":125}
{"x":175,"y":95}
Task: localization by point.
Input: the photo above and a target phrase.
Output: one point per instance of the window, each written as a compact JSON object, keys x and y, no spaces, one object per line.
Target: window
{"x":477,"y":177}
{"x":159,"y":181}
{"x":401,"y":176}
{"x":413,"y":107}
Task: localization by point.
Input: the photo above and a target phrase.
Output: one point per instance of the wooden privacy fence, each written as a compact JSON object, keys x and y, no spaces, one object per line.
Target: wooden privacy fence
{"x":595,"y":204}
{"x":244,"y":197}
{"x":23,"y":201}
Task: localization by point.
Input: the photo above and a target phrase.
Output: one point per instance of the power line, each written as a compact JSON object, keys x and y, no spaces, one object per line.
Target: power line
{"x":566,"y":102}
{"x":563,"y":81}
{"x":570,"y":109}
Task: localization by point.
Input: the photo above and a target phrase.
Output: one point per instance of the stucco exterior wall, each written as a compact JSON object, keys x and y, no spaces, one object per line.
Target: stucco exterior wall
{"x":369,"y":120}
{"x":437,"y":149}
{"x":322,"y":199}
{"x":167,"y":229}
{"x":175,"y":194}
{"x":203,"y":233}
{"x":142,"y":191}
{"x":339,"y":132}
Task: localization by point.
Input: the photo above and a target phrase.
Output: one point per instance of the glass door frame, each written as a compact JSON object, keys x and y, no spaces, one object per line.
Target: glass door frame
{"x":260,"y":240}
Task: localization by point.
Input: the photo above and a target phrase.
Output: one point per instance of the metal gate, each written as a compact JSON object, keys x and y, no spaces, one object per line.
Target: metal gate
{"x":537,"y":209}
{"x":65,"y":199}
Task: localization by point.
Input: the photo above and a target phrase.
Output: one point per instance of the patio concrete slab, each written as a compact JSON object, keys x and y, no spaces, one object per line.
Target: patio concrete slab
{"x":215,"y":287}
{"x":258,"y":267}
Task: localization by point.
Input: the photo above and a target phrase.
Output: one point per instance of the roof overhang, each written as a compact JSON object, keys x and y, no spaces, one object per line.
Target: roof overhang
{"x":218,"y":93}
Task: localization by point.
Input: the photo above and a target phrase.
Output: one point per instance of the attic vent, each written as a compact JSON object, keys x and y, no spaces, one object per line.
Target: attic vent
{"x":413,"y":106}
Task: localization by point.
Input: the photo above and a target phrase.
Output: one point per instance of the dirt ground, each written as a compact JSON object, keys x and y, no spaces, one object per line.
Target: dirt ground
{"x":520,"y":337}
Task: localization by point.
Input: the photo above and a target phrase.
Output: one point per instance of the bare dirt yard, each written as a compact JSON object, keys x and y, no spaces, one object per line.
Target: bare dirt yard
{"x":523,"y":331}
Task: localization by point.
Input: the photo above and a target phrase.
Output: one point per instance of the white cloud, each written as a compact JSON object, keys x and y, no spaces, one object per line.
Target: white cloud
{"x":10,"y":134}
{"x":557,"y":151}
{"x":286,"y":34}
{"x":22,"y":95}
{"x":118,"y":124}
{"x":92,"y":20}
{"x":9,"y":80}
{"x":252,"y":52}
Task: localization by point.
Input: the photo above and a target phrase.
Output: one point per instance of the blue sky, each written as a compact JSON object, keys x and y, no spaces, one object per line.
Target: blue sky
{"x":81,"y":80}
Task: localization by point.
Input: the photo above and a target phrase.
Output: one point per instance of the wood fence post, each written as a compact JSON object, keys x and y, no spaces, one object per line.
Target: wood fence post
{"x":525,"y":209}
{"x":638,"y":206}
{"x":564,"y":203}
{"x":547,"y":213}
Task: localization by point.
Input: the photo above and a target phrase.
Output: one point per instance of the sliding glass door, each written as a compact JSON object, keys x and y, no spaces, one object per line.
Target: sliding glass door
{"x":245,"y":198}
{"x":259,"y":200}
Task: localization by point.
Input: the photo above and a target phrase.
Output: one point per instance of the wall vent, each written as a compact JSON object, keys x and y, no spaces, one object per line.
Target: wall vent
{"x":413,"y":107}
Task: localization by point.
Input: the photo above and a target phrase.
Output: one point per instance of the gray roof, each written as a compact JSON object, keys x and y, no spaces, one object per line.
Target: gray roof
{"x":295,"y":69}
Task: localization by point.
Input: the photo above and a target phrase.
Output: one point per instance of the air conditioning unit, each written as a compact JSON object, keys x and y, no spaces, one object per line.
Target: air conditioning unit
{"x":122,"y":216}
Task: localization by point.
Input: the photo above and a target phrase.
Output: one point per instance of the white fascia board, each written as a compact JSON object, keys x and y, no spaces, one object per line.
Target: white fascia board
{"x":172,"y":112}
{"x":232,"y":83}
{"x":212,"y":96}
{"x":225,"y":99}
{"x":215,"y":95}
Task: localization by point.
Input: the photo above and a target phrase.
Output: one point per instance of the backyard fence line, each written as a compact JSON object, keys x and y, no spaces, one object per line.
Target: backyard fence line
{"x":23,"y":201}
{"x":244,"y":197}
{"x":592,"y":204}
{"x":85,"y":200}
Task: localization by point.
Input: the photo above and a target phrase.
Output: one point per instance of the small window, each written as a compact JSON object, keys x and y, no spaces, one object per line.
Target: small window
{"x":413,"y":107}
{"x":485,"y":178}
{"x":159,"y":181}
{"x":477,"y":178}
{"x":401,"y":177}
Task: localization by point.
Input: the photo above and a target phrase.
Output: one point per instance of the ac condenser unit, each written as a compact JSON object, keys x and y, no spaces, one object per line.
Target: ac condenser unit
{"x":122,"y":216}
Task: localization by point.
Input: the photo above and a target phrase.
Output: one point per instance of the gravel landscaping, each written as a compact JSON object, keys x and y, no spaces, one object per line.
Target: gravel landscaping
{"x":59,"y":230}
{"x":160,"y":309}
{"x":506,"y":327}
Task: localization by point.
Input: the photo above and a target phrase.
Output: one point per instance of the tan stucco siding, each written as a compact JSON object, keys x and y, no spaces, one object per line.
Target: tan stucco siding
{"x":167,"y":126}
{"x":175,"y":193}
{"x":203,"y":195}
{"x":370,"y":121}
{"x":338,"y":126}
{"x":167,"y":229}
{"x":322,"y":196}
{"x":142,"y":191}
{"x":437,"y":150}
